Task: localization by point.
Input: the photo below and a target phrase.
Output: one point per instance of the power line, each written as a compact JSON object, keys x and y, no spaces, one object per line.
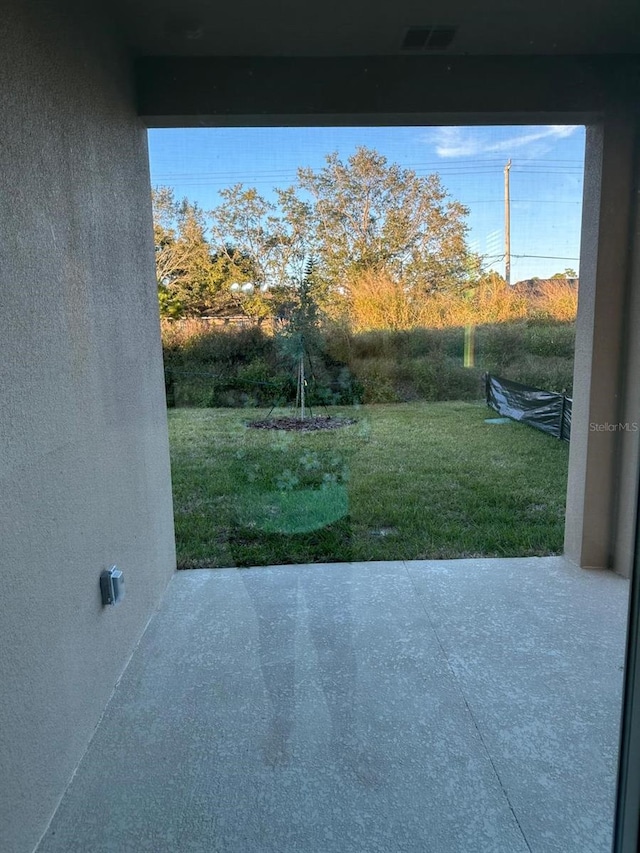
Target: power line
{"x":460,"y":169}
{"x":523,"y":166}
{"x":548,"y":257}
{"x":523,"y":201}
{"x":497,"y":162}
{"x":497,"y":258}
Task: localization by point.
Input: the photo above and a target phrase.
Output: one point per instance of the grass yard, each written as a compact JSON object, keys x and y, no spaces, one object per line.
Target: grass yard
{"x":407,"y":481}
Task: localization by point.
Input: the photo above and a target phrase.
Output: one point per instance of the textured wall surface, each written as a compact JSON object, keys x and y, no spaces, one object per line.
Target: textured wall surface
{"x":84,"y":470}
{"x":601,"y":492}
{"x":629,"y":457}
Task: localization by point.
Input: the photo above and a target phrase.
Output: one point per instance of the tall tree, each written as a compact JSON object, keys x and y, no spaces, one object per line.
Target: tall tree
{"x":192,"y":277}
{"x":183,"y":258}
{"x":360,"y":217}
{"x":370,"y":215}
{"x":254,"y":227}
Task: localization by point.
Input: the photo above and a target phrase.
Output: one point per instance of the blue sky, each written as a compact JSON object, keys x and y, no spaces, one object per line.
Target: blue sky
{"x":546,"y":175}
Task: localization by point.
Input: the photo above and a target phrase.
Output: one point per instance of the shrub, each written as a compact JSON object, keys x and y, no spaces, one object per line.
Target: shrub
{"x":460,"y":383}
{"x":338,"y":341}
{"x":197,"y":394}
{"x":498,"y":346}
{"x":551,"y":340}
{"x":550,"y":374}
{"x":375,"y":344}
{"x":376,"y":376}
{"x":235,"y":346}
{"x":256,"y":372}
{"x":242,"y":367}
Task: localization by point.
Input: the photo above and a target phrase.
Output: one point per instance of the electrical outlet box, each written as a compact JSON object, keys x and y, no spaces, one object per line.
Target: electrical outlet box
{"x":112,"y":586}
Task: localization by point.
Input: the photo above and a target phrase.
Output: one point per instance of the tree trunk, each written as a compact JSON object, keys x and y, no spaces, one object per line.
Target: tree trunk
{"x":301,"y":387}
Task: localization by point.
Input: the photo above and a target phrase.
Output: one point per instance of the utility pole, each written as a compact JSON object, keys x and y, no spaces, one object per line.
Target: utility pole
{"x":507,"y":225}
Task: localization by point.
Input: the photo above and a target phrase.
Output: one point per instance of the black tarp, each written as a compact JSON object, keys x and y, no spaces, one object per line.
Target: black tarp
{"x":543,"y":410}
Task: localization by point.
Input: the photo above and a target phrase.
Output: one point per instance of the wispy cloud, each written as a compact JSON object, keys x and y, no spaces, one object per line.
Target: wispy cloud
{"x":470,"y":142}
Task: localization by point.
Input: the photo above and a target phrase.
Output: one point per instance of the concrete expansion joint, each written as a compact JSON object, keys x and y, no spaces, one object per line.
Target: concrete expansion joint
{"x":458,"y":685}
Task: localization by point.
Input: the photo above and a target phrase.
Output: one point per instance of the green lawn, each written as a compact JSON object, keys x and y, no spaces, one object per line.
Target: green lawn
{"x":407,"y":481}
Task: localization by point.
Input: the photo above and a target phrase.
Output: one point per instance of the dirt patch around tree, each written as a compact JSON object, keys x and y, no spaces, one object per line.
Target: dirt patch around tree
{"x":311,"y":424}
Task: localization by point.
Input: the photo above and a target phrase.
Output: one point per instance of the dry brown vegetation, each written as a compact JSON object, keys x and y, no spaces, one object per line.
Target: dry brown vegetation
{"x":177,"y":333}
{"x":376,"y":301}
{"x":555,"y":299}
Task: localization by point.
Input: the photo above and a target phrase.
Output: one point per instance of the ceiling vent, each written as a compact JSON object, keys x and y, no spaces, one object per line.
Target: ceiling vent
{"x":428,"y":38}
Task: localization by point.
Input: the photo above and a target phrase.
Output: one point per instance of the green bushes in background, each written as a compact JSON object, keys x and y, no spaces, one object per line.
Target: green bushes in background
{"x":246,"y":368}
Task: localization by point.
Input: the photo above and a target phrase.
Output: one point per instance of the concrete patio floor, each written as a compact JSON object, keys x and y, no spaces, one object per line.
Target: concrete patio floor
{"x":445,"y":706}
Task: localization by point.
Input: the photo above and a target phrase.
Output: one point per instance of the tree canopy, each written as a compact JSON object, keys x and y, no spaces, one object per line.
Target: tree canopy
{"x":357,"y":217}
{"x":369,"y":215}
{"x":193,"y":276}
{"x":569,"y":272}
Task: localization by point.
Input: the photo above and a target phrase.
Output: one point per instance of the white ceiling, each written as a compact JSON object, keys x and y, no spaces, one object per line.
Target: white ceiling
{"x":377,"y":27}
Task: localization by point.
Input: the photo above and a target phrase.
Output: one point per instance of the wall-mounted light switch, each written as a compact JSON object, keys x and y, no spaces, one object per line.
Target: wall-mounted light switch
{"x":112,"y":585}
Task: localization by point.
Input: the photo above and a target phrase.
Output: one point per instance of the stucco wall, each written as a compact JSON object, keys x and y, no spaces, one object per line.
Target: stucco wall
{"x":628,"y":462}
{"x":603,"y":473}
{"x":84,"y":472}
